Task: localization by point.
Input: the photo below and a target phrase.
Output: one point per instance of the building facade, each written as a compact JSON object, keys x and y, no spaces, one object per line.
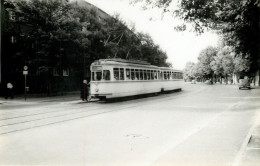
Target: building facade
{"x":42,"y":76}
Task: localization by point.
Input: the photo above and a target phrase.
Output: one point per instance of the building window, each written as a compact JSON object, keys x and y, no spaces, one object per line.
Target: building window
{"x":13,"y":39}
{"x":65,"y":72}
{"x":55,"y":72}
{"x":12,"y":15}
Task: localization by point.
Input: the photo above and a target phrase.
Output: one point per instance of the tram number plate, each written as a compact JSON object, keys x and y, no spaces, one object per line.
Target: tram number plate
{"x":97,"y":68}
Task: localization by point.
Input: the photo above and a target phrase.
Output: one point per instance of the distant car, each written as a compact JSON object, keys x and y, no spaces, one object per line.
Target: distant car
{"x":209,"y":82}
{"x":244,"y":83}
{"x":193,"y":81}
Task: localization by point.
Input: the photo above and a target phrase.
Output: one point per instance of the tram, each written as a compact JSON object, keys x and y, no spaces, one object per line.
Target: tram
{"x":113,"y":78}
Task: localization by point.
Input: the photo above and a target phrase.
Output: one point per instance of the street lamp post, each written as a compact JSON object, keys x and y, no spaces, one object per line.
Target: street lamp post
{"x":25,"y":72}
{"x":84,"y":61}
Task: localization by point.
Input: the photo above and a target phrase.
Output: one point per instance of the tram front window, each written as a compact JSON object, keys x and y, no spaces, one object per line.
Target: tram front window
{"x":96,"y":76}
{"x":106,"y":74}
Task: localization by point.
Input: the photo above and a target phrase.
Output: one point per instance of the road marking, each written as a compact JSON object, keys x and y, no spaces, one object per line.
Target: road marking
{"x":242,"y":149}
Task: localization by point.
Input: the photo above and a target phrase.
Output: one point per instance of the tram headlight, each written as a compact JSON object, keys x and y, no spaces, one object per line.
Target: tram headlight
{"x":96,"y":89}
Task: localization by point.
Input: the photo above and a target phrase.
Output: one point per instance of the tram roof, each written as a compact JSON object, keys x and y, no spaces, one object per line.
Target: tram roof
{"x":117,"y":61}
{"x":133,"y":62}
{"x":125,"y":61}
{"x":168,"y":68}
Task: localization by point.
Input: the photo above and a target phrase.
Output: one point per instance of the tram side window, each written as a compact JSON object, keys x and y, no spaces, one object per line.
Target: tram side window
{"x":145,"y":75}
{"x":155,"y":75}
{"x":141,"y":75}
{"x":164,"y":75}
{"x":152,"y":75}
{"x":122,"y":77}
{"x":116,"y":73}
{"x":179,"y":74}
{"x":174,"y":75}
{"x":132,"y":74}
{"x":128,"y":75}
{"x":161,"y":75}
{"x":148,"y":74}
{"x":137,"y":75}
{"x":106,"y":74}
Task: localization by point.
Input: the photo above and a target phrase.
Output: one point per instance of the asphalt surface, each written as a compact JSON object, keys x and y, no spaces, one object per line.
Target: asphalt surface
{"x":201,"y":125}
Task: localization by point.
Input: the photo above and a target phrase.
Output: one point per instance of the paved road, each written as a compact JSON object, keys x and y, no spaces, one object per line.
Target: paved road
{"x":202,"y":125}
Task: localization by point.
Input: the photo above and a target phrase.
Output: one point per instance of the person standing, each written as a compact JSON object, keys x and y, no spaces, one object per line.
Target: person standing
{"x":85,"y":91}
{"x":9,"y":92}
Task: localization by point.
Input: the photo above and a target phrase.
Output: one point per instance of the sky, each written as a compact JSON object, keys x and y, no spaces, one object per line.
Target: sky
{"x":181,"y":47}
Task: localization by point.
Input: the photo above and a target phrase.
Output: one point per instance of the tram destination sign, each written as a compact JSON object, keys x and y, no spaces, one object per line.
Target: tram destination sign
{"x":96,"y":67}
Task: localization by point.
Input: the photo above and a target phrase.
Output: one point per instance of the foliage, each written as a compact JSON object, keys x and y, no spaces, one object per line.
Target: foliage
{"x":74,"y":30}
{"x":241,"y":64}
{"x":59,"y":34}
{"x":213,"y":62}
{"x":237,"y":20}
{"x":189,"y":71}
{"x":206,"y":56}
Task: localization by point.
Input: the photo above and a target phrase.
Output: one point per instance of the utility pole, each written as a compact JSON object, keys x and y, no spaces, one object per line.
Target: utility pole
{"x":84,"y":65}
{"x":25,"y":72}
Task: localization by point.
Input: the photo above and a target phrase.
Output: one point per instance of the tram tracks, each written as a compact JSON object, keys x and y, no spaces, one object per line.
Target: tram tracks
{"x":20,"y":122}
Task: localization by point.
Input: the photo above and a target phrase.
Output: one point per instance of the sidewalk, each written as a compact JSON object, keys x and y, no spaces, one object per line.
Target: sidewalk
{"x":36,"y":98}
{"x":251,"y":154}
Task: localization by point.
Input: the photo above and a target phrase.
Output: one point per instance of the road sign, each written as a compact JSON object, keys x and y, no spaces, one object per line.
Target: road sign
{"x":25,"y":72}
{"x":25,"y":67}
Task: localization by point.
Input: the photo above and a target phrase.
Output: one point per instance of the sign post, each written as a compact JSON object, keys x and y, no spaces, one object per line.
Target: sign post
{"x":25,"y":72}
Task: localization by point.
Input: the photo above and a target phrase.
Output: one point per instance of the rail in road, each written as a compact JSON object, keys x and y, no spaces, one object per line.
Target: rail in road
{"x":14,"y":120}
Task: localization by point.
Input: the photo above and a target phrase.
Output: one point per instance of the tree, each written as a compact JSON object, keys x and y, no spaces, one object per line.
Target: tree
{"x":127,"y":44}
{"x":189,"y":71}
{"x":237,"y":20}
{"x":241,"y":64}
{"x":206,"y":56}
{"x":223,"y":63}
{"x":63,"y":35}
